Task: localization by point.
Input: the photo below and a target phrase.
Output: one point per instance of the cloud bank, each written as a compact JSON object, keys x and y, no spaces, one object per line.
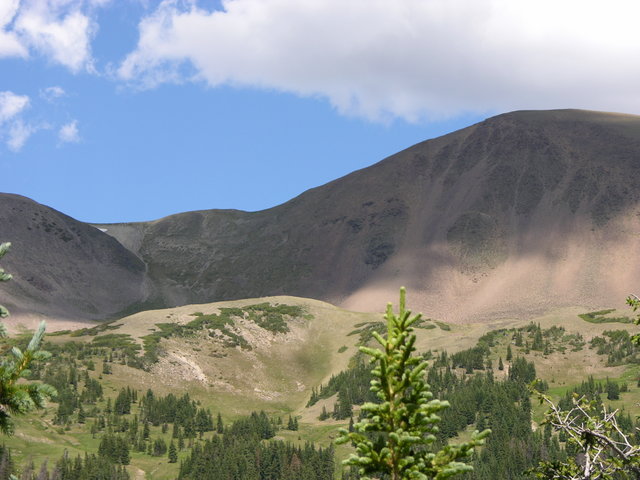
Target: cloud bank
{"x":10,"y":45}
{"x":415,"y":59}
{"x":61,"y":30}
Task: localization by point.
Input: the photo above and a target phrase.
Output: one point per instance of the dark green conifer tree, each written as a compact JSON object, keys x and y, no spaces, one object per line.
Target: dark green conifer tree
{"x":173,"y":453}
{"x":324,"y":414}
{"x":81,"y":415}
{"x":613,"y":390}
{"x":219,"y":424}
{"x":518,"y":338}
{"x":538,"y":342}
{"x":94,"y":429}
{"x":291,"y":424}
{"x":122,"y":405}
{"x":159,"y":447}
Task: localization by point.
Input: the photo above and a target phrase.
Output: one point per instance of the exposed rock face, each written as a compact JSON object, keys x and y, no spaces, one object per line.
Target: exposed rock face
{"x":521,"y":213}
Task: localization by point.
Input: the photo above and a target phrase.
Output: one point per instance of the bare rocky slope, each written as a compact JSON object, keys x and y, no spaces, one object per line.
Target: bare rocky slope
{"x":63,"y":268}
{"x":521,"y":213}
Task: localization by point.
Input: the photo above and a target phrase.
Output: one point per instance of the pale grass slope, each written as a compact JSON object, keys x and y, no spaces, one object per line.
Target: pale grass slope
{"x":279,"y":370}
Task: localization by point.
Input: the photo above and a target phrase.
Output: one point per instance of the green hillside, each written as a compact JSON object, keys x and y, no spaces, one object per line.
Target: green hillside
{"x":273,"y":354}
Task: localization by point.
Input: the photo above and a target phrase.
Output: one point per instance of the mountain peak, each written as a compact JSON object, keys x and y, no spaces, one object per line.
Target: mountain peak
{"x":522,"y":213}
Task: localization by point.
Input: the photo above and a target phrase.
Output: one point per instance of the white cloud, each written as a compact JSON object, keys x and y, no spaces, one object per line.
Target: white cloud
{"x":11,"y":105}
{"x":13,"y":130}
{"x":69,"y":132}
{"x":18,"y":134}
{"x":406,"y":58}
{"x":58,"y":29}
{"x":52,"y":93}
{"x":10,"y":45}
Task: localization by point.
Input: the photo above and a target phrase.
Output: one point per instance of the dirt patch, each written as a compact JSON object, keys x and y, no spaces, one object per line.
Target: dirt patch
{"x":176,"y":365}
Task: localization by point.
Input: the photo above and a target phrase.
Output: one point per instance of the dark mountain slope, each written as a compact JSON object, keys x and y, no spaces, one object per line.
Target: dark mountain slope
{"x":521,"y":213}
{"x":64,"y":268}
{"x":527,"y":210}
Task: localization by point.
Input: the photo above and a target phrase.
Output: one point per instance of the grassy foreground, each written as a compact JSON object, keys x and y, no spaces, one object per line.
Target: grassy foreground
{"x":275,"y":370}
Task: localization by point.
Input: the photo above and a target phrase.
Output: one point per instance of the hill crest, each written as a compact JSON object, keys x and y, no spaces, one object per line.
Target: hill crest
{"x":518,"y":214}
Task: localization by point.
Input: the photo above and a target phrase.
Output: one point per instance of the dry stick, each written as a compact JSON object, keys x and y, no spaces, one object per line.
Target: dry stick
{"x":568,"y":423}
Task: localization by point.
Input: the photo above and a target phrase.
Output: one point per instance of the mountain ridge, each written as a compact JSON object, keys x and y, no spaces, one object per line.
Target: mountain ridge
{"x":521,"y":213}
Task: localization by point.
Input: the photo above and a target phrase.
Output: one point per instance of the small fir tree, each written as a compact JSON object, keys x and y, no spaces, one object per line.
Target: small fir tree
{"x":397,"y":435}
{"x":81,"y":414}
{"x":219,"y":424}
{"x":613,"y":390}
{"x":292,"y":424}
{"x":518,"y":339}
{"x":173,"y":453}
{"x":324,"y":414}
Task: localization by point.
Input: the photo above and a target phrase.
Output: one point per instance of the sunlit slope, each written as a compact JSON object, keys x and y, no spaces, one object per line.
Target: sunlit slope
{"x":248,"y":367}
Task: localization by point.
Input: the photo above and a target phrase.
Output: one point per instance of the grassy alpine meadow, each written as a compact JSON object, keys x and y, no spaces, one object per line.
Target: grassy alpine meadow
{"x":275,"y":370}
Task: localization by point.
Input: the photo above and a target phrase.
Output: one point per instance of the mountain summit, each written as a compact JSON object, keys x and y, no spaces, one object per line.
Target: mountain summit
{"x":524,"y":212}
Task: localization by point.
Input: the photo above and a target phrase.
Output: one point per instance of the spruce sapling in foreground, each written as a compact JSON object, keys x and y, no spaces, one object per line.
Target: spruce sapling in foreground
{"x":19,"y":398}
{"x":4,"y":277}
{"x":396,"y":436}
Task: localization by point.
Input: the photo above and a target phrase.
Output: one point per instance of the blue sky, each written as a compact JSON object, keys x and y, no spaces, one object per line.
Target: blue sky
{"x":132,"y":110}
